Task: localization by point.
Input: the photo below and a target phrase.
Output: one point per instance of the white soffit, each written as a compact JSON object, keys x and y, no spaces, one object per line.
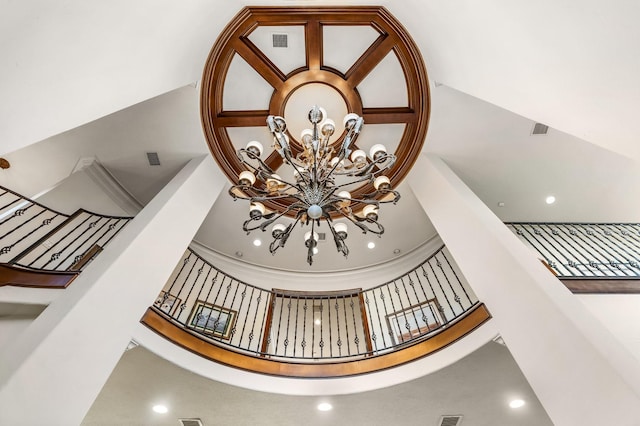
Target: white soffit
{"x":385,"y":85}
{"x":287,"y":58}
{"x":244,"y":88}
{"x":343,"y":45}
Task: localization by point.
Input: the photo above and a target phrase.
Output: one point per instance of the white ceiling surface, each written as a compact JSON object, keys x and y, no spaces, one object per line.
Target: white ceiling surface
{"x":490,"y":148}
{"x":571,"y":67}
{"x":479,"y":387}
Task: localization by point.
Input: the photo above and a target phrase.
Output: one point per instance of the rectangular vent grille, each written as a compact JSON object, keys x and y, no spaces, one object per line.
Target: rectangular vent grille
{"x":190,"y":422}
{"x":280,"y":40}
{"x":540,"y":129}
{"x":450,"y":421}
{"x":153,"y":158}
{"x":322,"y":236}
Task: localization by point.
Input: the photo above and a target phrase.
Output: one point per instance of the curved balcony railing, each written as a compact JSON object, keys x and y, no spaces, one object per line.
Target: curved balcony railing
{"x":201,"y":301}
{"x":41,"y":247}
{"x":587,"y":257}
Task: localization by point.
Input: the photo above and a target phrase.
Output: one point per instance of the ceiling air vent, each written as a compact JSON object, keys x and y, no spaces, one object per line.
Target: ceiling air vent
{"x":153,"y":158}
{"x":450,"y":421}
{"x":190,"y":422}
{"x":280,"y":40}
{"x":540,"y":129}
{"x":322,"y":236}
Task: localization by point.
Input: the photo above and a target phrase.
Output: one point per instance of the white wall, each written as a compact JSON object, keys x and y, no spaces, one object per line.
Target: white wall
{"x":77,"y":191}
{"x":620,"y":313}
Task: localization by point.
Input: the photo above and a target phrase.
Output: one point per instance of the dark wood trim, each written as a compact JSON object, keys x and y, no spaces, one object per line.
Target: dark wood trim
{"x":267,"y":325}
{"x":316,"y":294}
{"x":602,"y":286}
{"x":86,"y":257}
{"x":365,"y":323}
{"x":157,"y":322}
{"x":19,"y":277}
{"x":60,"y":226}
{"x":254,"y":118}
{"x":370,"y":59}
{"x":234,"y":39}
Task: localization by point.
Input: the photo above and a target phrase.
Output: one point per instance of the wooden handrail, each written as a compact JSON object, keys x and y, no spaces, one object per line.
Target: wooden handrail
{"x":21,"y":277}
{"x":159,"y":323}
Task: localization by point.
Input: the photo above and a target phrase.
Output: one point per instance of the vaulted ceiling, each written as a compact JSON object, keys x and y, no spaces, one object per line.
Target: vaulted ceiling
{"x":119,"y":79}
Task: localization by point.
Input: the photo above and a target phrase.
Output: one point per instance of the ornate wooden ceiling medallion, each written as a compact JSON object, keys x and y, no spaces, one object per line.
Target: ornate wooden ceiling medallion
{"x":235,"y":40}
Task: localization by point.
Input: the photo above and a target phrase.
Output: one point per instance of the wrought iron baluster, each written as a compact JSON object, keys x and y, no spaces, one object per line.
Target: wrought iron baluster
{"x":18,"y":213}
{"x":213,"y":283}
{"x":421,"y":305}
{"x":277,"y":343}
{"x":453,"y":313}
{"x":232,"y":332}
{"x":356,"y":339}
{"x":624,"y":240}
{"x":56,"y":255}
{"x":412,"y":313}
{"x":456,"y":297}
{"x":589,"y":261}
{"x":337,"y":327}
{"x":613,"y":241}
{"x":122,"y":223}
{"x":295,"y":330}
{"x":183,"y":305}
{"x":608,"y":249}
{"x":321,"y":343}
{"x":598,"y":253}
{"x":525,"y":233}
{"x":7,"y":249}
{"x":313,"y":328}
{"x":550,"y":253}
{"x":285,"y":342}
{"x":246,"y":317}
{"x":393,"y":311}
{"x":263,"y":323}
{"x":57,"y":267}
{"x":10,"y":204}
{"x":346,"y":323}
{"x":373,"y":337}
{"x":453,"y":271}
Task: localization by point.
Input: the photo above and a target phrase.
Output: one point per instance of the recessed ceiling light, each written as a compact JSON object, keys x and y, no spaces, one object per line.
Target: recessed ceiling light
{"x":516,"y":403}
{"x":317,"y":321}
{"x":396,"y":251}
{"x":257,"y":243}
{"x":371,"y":245}
{"x":315,"y":250}
{"x":325,"y":406}
{"x":550,"y":199}
{"x":501,"y":204}
{"x":159,"y":408}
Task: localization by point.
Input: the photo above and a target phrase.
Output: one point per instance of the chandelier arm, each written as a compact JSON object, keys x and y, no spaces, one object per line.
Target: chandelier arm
{"x":365,"y":179}
{"x":269,"y":219}
{"x":373,"y":195}
{"x":358,"y":221}
{"x":341,"y":246}
{"x":281,"y":240}
{"x":351,"y":136}
{"x":263,"y":166}
{"x":312,"y":243}
{"x":314,"y":192}
{"x":243,"y":188}
{"x":380,"y":230}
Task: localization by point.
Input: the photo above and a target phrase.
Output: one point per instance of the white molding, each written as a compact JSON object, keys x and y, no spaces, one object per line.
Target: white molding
{"x":110,"y":185}
{"x":364,"y":278}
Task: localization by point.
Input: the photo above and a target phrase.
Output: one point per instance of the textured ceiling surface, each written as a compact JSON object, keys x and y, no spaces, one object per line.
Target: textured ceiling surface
{"x":479,"y":387}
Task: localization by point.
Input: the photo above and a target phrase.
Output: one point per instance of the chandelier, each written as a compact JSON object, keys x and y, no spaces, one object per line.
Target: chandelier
{"x":322,"y":174}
